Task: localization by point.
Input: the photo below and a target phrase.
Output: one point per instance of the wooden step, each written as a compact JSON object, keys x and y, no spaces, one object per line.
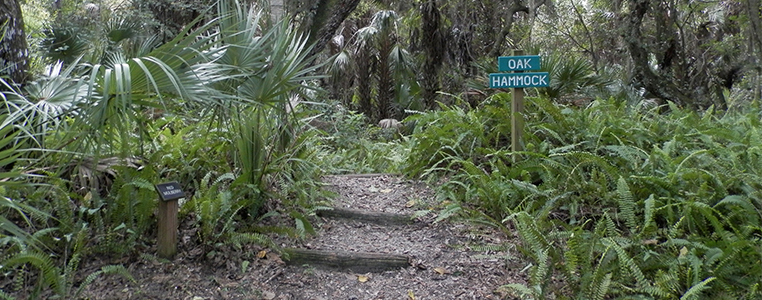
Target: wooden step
{"x":380,"y":218}
{"x":359,"y":262}
{"x":364,"y":175}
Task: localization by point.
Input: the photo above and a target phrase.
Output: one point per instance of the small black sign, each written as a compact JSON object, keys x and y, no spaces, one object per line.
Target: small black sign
{"x":170,"y":191}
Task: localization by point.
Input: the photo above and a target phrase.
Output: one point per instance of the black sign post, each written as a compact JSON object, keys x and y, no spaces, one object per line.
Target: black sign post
{"x":169,"y":193}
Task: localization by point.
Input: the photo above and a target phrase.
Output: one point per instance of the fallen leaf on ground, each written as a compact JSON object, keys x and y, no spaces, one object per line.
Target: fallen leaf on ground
{"x":275,"y":257}
{"x":441,"y":271}
{"x":262,"y":254}
{"x":362,"y":278}
{"x":410,"y":295}
{"x":386,"y":191}
{"x":268,"y":295}
{"x":410,"y":204}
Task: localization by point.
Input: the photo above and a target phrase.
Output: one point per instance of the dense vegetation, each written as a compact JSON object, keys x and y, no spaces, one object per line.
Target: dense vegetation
{"x":616,"y":201}
{"x":640,"y":177}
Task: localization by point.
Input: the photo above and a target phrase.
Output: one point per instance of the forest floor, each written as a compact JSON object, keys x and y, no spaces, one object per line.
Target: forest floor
{"x":448,"y":259}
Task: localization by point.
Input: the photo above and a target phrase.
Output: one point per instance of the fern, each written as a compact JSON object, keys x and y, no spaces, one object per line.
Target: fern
{"x":626,"y":263}
{"x":541,"y":271}
{"x":105,"y":270}
{"x":626,"y":204}
{"x":531,"y":235}
{"x":599,"y":287}
{"x":450,"y":210}
{"x":695,"y":291}
{"x":522,"y":290}
{"x":490,"y":248}
{"x":303,"y":225}
{"x":238,"y":239}
{"x":648,"y":213}
{"x":6,"y":296}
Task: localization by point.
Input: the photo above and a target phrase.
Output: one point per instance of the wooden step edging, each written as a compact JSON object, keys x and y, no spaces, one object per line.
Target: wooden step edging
{"x":379,"y":218}
{"x":364,"y":175}
{"x":359,"y":262}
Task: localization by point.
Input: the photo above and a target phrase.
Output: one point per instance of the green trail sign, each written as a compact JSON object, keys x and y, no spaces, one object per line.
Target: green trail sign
{"x":518,"y":80}
{"x":518,"y":63}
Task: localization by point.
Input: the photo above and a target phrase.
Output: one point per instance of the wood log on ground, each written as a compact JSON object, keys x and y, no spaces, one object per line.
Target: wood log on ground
{"x":379,"y":218}
{"x":366,"y":175}
{"x":359,"y":262}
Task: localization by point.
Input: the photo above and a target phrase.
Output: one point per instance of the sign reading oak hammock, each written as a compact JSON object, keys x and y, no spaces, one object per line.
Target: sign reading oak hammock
{"x":518,"y":81}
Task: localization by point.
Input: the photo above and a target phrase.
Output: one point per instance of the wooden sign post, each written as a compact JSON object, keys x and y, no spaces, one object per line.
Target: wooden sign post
{"x":169,"y":193}
{"x":517,"y":115}
{"x":518,"y":81}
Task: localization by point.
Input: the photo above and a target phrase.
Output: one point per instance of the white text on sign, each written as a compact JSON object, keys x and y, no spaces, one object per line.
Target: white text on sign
{"x":518,"y":80}
{"x":518,"y":63}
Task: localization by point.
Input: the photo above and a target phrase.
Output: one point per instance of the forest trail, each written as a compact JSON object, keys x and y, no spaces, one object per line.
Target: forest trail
{"x":440,"y":259}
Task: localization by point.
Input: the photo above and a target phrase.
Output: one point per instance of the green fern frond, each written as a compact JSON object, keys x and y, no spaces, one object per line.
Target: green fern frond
{"x":696,"y":291}
{"x":754,"y":291}
{"x":238,"y":239}
{"x":571,"y":256}
{"x":541,"y":271}
{"x":657,"y":290}
{"x":648,"y":213}
{"x":50,"y":274}
{"x":490,"y":247}
{"x":141,"y":184}
{"x":599,"y":288}
{"x":626,"y":263}
{"x":606,"y":226}
{"x":303,"y":225}
{"x":626,"y":204}
{"x":581,"y":158}
{"x":450,"y":210}
{"x":6,"y":296}
{"x":105,"y":270}
{"x":522,"y":290}
{"x":531,"y":235}
{"x":421,"y":213}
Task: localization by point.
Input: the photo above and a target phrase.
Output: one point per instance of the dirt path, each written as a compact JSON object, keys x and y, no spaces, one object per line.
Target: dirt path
{"x":442,"y":260}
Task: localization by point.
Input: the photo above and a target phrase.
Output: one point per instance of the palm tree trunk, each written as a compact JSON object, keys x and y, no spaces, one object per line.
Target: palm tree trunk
{"x":433,"y":46}
{"x":364,"y":79}
{"x":385,"y":79}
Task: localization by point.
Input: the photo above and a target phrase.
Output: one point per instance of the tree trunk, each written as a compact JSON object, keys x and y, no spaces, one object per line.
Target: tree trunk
{"x":752,"y":9}
{"x":14,"y":52}
{"x":652,"y":82}
{"x":322,"y":29}
{"x":516,"y":6}
{"x":434,"y":49}
{"x":276,"y":9}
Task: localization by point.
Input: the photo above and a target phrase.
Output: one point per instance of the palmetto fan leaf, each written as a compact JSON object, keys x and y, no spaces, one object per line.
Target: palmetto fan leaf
{"x":42,"y":103}
{"x":288,"y":67}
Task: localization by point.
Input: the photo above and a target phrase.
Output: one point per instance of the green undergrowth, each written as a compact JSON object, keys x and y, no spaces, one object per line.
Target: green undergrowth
{"x":347,"y":144}
{"x":613,"y":201}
